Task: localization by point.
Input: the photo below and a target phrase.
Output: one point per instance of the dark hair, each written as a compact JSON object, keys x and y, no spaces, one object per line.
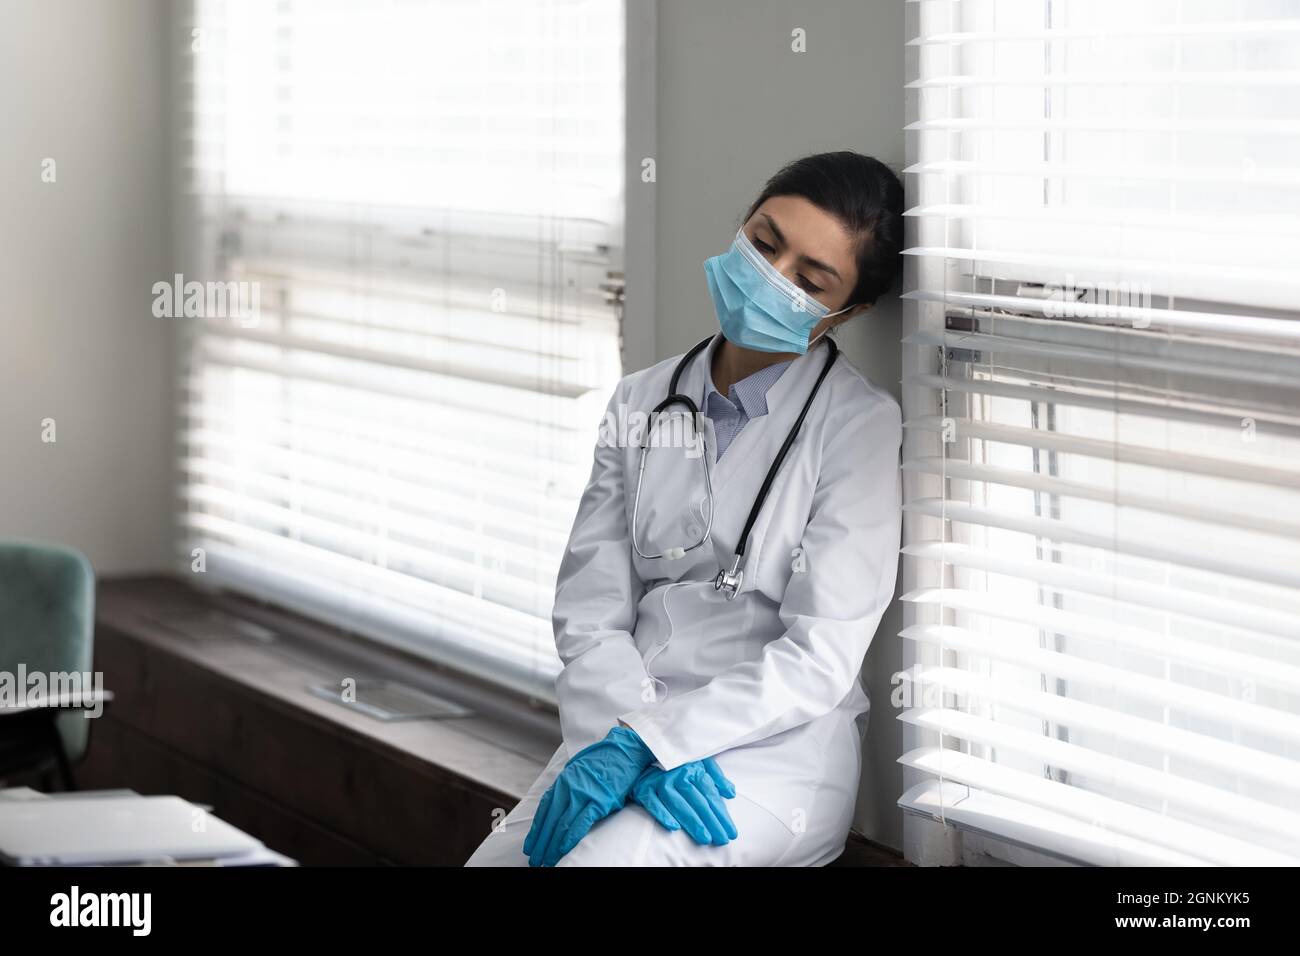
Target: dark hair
{"x":865,"y":195}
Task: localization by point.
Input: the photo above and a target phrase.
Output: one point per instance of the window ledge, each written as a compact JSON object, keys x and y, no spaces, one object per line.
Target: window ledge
{"x":501,"y":747}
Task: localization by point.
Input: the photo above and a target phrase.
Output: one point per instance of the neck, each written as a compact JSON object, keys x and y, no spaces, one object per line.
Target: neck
{"x":731,"y":363}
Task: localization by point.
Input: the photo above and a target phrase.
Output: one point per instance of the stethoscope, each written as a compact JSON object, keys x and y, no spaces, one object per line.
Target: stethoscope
{"x":726,"y":581}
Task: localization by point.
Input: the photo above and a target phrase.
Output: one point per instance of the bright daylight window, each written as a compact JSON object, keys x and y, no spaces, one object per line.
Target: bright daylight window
{"x":1102,"y":402}
{"x":421,"y":203}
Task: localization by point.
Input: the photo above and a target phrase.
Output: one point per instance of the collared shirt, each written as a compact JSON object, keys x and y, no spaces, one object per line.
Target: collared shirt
{"x":745,"y":399}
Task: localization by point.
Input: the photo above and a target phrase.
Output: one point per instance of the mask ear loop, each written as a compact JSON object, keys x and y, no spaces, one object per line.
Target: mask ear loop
{"x":832,"y":328}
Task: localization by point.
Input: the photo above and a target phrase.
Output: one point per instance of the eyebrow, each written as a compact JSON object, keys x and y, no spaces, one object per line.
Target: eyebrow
{"x":815,"y":263}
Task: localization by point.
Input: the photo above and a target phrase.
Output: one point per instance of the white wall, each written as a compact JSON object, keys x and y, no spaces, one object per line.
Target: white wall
{"x":734,"y":104}
{"x":81,"y":83}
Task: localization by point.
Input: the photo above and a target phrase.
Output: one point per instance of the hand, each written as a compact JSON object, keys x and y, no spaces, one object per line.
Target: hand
{"x":690,"y":798}
{"x":592,"y":785}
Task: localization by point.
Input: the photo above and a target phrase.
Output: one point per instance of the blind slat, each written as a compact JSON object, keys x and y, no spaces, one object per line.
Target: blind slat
{"x":1242,"y":469}
{"x":1042,"y":830}
{"x":1242,"y":813}
{"x":1129,"y":820}
{"x":1268,"y":525}
{"x":1101,"y":395}
{"x":1268,"y":721}
{"x":1194,"y":747}
{"x":395,"y":429}
{"x":1251,"y":609}
{"x":1262,"y":669}
{"x":1282,"y":568}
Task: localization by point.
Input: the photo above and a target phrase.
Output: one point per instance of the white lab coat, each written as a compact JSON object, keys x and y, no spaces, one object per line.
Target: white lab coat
{"x":768,"y":683}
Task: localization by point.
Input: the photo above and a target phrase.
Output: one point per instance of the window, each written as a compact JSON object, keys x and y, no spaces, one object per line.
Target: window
{"x":420,"y":205}
{"x":1102,"y":412}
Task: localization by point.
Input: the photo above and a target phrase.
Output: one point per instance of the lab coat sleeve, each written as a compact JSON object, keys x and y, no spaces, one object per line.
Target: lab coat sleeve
{"x":830,"y":609}
{"x":596,"y":595}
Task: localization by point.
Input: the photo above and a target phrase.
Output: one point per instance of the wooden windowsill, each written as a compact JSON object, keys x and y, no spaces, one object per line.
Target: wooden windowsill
{"x":501,"y":747}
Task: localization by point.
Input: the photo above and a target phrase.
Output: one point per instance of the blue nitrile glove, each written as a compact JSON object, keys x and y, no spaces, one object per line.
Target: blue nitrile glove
{"x":690,"y":798}
{"x":592,"y":785}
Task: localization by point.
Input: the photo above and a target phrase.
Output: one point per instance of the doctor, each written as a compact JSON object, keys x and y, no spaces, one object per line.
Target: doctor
{"x":728,"y":567}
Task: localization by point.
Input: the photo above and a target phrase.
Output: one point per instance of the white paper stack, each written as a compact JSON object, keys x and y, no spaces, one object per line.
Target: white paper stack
{"x":120,"y":828}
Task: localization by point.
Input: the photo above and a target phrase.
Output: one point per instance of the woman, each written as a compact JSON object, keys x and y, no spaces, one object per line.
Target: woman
{"x":704,"y":727}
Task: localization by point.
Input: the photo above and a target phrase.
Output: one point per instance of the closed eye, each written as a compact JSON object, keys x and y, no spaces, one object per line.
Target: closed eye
{"x":808,"y":285}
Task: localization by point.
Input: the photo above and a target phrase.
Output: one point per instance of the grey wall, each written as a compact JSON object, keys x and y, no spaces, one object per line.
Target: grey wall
{"x":734,"y":103}
{"x":81,"y":83}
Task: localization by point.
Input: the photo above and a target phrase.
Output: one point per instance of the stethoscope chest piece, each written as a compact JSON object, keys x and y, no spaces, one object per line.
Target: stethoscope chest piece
{"x":729,"y":582}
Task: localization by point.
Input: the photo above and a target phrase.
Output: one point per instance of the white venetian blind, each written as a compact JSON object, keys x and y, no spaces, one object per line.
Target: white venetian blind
{"x":427,"y":198}
{"x":1102,"y":404}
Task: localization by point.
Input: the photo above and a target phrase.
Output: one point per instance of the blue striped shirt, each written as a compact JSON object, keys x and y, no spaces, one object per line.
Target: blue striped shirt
{"x":746,"y":399}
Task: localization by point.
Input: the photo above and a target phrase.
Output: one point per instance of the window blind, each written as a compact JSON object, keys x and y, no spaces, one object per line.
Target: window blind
{"x":424,"y":201}
{"x":1102,"y":418}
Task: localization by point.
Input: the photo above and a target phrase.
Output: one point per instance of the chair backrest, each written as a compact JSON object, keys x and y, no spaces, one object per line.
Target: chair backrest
{"x":47,"y":619}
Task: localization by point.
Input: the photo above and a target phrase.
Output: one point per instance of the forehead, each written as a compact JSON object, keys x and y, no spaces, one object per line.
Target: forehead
{"x":808,"y":230}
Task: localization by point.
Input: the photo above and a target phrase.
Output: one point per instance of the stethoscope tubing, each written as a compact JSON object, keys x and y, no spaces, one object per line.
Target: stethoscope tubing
{"x":674,"y":397}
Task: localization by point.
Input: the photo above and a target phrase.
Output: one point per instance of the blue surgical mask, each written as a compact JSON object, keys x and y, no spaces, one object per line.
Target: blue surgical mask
{"x":758,"y":308}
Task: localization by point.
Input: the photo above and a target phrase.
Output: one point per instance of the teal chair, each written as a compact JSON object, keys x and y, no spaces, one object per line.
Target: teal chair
{"x":47,"y":619}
